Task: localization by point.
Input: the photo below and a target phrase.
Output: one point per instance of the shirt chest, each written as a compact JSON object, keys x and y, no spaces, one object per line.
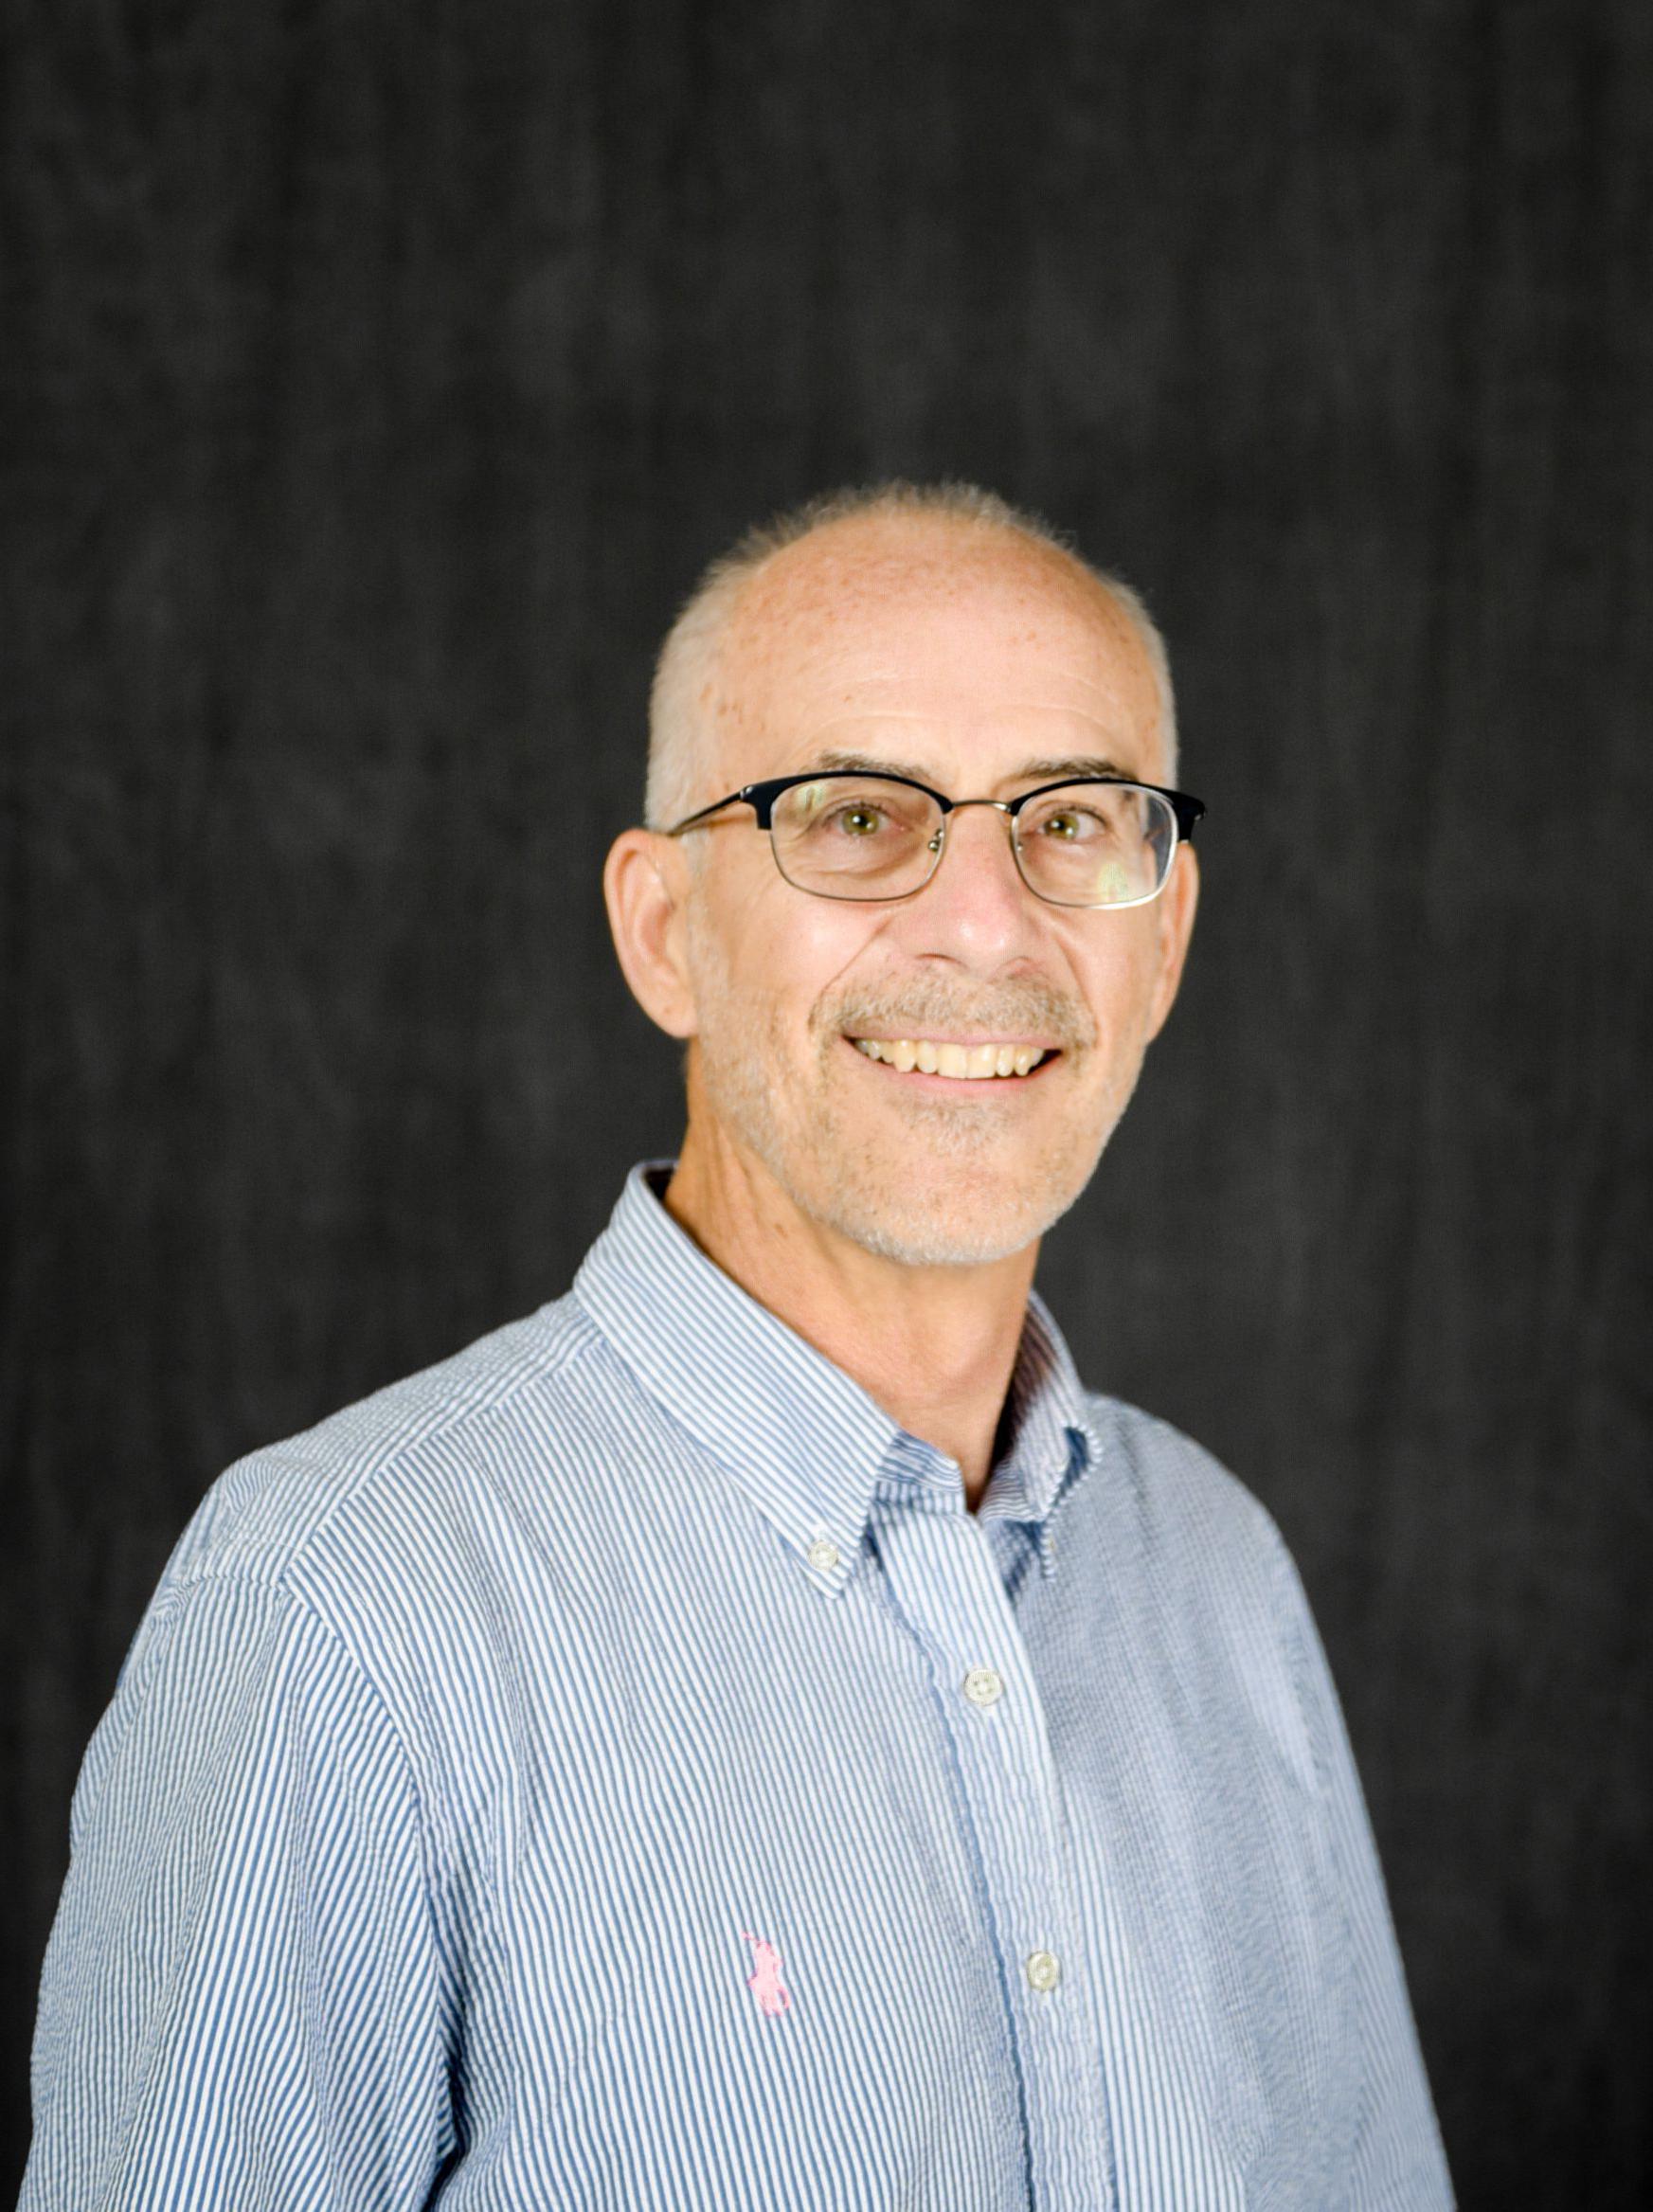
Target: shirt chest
{"x":890,"y":1896}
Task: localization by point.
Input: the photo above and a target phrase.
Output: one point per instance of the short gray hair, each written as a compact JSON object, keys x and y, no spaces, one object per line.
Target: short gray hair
{"x":683,"y":671}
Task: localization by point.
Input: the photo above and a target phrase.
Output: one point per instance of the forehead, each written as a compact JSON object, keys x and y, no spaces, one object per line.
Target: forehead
{"x":934,"y":642}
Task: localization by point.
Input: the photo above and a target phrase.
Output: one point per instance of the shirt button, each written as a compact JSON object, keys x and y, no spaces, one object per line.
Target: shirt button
{"x":982,"y":1687}
{"x":1043,"y":1971}
{"x":823,"y":1555}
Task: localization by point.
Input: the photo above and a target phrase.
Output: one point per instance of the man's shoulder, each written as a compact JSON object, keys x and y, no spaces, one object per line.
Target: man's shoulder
{"x":1184,"y":1499}
{"x":1194,"y":1565}
{"x":376,"y":1473}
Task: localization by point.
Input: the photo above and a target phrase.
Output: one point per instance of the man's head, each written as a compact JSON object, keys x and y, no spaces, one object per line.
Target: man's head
{"x":949,"y":639}
{"x":686,"y":701}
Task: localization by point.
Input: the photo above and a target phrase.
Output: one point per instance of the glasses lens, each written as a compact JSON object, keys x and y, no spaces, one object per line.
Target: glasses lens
{"x":855,"y":836}
{"x":1096,"y":844}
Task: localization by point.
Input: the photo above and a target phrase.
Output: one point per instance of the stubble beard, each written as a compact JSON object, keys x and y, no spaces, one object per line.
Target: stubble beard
{"x":940,"y":1184}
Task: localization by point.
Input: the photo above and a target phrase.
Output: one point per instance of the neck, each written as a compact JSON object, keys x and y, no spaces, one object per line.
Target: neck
{"x":934,"y":1346}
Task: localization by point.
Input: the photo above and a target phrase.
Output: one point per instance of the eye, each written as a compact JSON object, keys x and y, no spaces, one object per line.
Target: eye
{"x":859,"y":820}
{"x":1070,"y":824}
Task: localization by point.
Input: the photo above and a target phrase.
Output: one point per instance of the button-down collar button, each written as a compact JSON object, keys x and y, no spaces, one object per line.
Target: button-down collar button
{"x":1043,"y":1971}
{"x":983,"y":1687}
{"x":823,"y":1555}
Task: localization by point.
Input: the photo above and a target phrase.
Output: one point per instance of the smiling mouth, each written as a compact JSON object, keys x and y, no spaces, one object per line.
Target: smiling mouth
{"x":982,"y":1063}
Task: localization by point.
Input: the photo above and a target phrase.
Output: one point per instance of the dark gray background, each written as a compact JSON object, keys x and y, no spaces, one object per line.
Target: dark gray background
{"x":376,"y":377}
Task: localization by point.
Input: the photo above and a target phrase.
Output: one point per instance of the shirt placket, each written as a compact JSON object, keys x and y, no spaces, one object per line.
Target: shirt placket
{"x":945,"y":1585}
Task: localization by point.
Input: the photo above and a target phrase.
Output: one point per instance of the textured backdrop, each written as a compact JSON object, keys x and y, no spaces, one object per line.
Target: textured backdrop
{"x":375,"y":378}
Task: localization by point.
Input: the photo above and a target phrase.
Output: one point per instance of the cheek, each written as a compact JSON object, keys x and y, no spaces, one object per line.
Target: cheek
{"x":769,"y":945}
{"x":1116,"y":974}
{"x":831,"y":940}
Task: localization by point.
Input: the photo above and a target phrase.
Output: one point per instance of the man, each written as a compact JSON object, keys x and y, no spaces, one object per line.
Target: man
{"x":758,"y":1733}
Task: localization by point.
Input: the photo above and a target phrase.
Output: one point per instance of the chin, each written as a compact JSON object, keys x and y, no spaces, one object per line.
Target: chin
{"x":947,"y":1221}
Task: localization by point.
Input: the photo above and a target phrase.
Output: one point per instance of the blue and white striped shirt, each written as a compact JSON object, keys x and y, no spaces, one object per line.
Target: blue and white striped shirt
{"x":613,"y":1769}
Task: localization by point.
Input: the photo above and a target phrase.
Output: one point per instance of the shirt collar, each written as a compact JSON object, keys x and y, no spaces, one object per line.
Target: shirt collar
{"x":811,"y":1449}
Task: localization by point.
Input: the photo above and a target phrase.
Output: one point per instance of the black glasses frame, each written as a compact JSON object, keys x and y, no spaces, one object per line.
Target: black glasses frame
{"x":760,"y":798}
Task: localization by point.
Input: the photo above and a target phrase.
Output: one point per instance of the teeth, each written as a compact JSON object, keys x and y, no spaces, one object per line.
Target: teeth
{"x":965,"y":1063}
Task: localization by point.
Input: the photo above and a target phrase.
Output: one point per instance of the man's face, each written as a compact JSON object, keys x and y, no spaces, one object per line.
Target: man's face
{"x":981,"y":668}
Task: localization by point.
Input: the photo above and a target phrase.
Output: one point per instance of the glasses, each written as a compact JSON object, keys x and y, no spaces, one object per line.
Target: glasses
{"x":1093,"y":841}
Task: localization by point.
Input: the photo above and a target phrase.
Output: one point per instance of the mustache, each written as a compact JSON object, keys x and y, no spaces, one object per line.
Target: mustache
{"x":917,"y":1009}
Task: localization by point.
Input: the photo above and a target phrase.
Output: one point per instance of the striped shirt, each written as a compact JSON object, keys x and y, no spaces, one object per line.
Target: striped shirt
{"x":614,"y":1769}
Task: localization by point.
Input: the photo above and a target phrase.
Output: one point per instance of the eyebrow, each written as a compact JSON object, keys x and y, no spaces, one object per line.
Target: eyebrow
{"x":1073,"y":765}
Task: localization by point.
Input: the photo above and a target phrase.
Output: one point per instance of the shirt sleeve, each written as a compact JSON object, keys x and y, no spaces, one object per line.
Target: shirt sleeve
{"x":1399,"y":2163}
{"x":242,"y":2003}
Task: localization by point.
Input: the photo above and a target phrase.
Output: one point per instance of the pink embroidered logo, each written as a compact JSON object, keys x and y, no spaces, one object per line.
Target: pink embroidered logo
{"x":765,"y":1983}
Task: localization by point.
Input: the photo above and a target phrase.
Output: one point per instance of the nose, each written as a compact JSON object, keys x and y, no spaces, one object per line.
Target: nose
{"x":976,"y":907}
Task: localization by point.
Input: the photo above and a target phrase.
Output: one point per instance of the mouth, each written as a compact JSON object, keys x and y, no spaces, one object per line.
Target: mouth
{"x":985,"y":1065}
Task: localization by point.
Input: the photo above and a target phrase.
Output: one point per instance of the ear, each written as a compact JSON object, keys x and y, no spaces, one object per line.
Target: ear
{"x":1176,"y":902}
{"x":645,"y":882}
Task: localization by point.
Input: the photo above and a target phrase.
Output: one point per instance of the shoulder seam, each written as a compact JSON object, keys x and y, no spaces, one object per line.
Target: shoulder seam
{"x":452,"y":1422}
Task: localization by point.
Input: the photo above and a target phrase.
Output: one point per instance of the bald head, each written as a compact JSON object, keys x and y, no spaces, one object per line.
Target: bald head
{"x":792,"y":591}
